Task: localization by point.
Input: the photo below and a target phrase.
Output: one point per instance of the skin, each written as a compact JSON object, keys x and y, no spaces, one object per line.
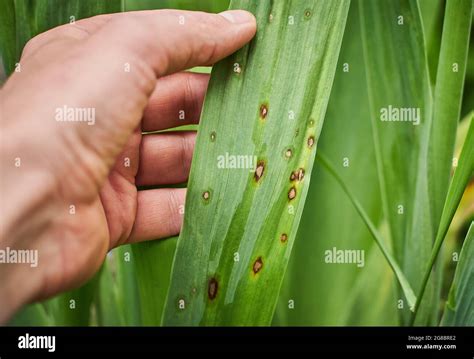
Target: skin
{"x":97,"y":168}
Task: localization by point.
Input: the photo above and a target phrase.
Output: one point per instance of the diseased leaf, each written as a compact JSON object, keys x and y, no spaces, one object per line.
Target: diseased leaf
{"x":329,"y":289}
{"x":268,"y":100}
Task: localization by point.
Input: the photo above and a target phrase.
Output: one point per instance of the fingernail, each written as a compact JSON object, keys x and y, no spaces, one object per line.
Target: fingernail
{"x":238,"y":16}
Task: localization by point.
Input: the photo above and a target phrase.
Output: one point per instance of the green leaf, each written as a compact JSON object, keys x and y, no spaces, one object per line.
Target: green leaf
{"x":117,"y":301}
{"x":7,"y":35}
{"x":31,"y":17}
{"x":447,"y":99}
{"x":432,"y":13}
{"x":127,"y":286}
{"x":405,"y":285}
{"x":32,"y":315}
{"x":398,"y":79}
{"x":459,"y":310}
{"x":153,"y":262}
{"x":240,"y":225}
{"x":201,"y":5}
{"x":73,"y":308}
{"x":323,"y":299}
{"x":462,"y":175}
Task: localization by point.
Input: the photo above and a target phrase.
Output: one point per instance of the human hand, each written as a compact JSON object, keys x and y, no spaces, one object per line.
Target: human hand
{"x":68,"y":188}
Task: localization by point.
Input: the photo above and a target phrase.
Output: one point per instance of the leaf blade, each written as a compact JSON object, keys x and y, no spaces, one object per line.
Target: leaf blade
{"x":206,"y":287}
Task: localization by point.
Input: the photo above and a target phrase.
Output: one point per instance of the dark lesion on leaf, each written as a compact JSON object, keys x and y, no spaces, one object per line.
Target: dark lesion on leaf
{"x":292,"y":193}
{"x":297,"y":175}
{"x":283,"y":238}
{"x":206,"y":196}
{"x":257,"y":265}
{"x":213,"y":287}
{"x":213,"y":136}
{"x":259,"y":170}
{"x":263,"y":112}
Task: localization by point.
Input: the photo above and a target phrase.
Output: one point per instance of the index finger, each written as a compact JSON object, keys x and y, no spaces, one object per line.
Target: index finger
{"x":171,"y":40}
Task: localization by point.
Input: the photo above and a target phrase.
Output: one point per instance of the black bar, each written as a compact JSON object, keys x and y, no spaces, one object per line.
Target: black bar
{"x":78,"y":340}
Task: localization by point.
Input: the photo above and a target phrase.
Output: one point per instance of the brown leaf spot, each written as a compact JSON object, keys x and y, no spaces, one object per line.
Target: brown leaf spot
{"x":292,"y":193}
{"x":297,"y":175}
{"x":263,"y":111}
{"x":257,"y":266}
{"x":259,"y":170}
{"x":300,"y":174}
{"x":311,"y":141}
{"x":206,"y":195}
{"x":212,"y":288}
{"x":283,"y":237}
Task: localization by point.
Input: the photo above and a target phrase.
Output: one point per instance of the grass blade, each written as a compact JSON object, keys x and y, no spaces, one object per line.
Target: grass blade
{"x":448,"y":98}
{"x":405,"y":285}
{"x":240,"y":225}
{"x":127,"y":286}
{"x":73,"y":308}
{"x":7,"y":36}
{"x":35,"y":16}
{"x":32,"y":315}
{"x":117,"y":301}
{"x":201,"y":5}
{"x":461,"y":178}
{"x":400,"y":101}
{"x":153,"y":262}
{"x":459,"y":310}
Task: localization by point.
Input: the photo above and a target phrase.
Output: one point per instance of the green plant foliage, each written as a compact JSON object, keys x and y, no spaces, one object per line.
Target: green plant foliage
{"x":447,"y":98}
{"x":405,"y":285}
{"x":460,"y":306}
{"x":117,"y":299}
{"x":199,"y":5}
{"x":24,"y":19}
{"x":73,"y":308}
{"x":239,"y":225}
{"x":462,"y":175}
{"x":398,"y":79}
{"x":153,"y":268}
{"x":331,"y":291}
{"x":33,"y":314}
{"x":7,"y":35}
